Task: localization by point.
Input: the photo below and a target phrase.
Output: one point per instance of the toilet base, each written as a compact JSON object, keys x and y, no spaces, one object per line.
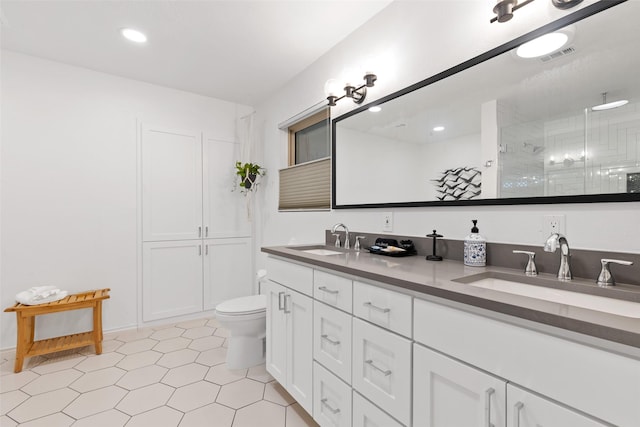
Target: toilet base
{"x":245,"y":352}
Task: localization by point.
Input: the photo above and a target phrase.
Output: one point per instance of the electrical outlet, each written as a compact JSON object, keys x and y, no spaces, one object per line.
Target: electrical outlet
{"x":387,"y":221}
{"x":553,"y":224}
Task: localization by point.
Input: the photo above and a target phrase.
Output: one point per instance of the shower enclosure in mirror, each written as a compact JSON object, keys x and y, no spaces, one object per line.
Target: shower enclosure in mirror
{"x":507,"y":129}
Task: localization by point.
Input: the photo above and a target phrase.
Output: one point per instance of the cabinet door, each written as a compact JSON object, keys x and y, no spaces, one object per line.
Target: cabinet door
{"x":171,"y":184}
{"x":528,"y":410}
{"x":227,"y":270}
{"x":449,"y":393}
{"x":382,"y":369}
{"x":276,"y":331}
{"x":172,"y":279}
{"x":299,"y":312}
{"x":224,"y":210}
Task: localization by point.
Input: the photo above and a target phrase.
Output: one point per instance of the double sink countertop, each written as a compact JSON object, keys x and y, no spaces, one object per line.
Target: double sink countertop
{"x":450,"y":280}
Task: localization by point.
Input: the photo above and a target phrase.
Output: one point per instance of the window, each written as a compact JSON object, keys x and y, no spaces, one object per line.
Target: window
{"x":306,"y":183}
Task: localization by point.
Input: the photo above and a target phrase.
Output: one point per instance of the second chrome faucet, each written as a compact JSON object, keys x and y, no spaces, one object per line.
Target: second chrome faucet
{"x":347,"y":245}
{"x":554,"y":242}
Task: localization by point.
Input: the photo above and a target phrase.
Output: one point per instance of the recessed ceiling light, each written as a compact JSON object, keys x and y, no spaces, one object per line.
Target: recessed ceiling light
{"x":438,"y":128}
{"x":610,"y":105}
{"x":375,"y":109}
{"x":133,"y":35}
{"x":542,"y":45}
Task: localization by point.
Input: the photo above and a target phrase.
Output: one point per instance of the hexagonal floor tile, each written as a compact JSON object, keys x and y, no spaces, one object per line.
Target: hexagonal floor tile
{"x":185,"y":374}
{"x":263,"y":414}
{"x":221,"y":332}
{"x":259,"y":373}
{"x":194,"y":396}
{"x":11,"y":399}
{"x":144,"y":399}
{"x":137,"y":346}
{"x":101,"y":361}
{"x":139,"y":360}
{"x":172,"y":344}
{"x":240,"y":393}
{"x":221,"y":374}
{"x":222,"y":415}
{"x":110,"y":418}
{"x":202,"y":331}
{"x":134,"y":335}
{"x":164,"y":334}
{"x":274,"y":392}
{"x":58,"y":420}
{"x":8,"y":422}
{"x":213,"y":357}
{"x":52,"y":381}
{"x":15,"y":381}
{"x":55,"y":363}
{"x":206,"y":343}
{"x":142,"y":377}
{"x":164,"y":416}
{"x":192,"y":323}
{"x":178,"y":358}
{"x":42,"y":405}
{"x":98,"y":379}
{"x":213,"y":323}
{"x":298,"y":417}
{"x":94,"y":402}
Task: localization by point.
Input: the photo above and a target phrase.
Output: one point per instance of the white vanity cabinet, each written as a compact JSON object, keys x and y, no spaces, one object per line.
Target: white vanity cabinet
{"x":289,"y":357}
{"x":526,"y":409}
{"x":449,"y":393}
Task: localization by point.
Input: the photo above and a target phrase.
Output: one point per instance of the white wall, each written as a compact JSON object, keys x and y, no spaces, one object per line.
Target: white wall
{"x":413,"y":40}
{"x":69,"y":191}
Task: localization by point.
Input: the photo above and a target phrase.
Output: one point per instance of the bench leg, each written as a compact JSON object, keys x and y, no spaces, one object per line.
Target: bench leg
{"x":97,"y":326}
{"x":25,"y":331}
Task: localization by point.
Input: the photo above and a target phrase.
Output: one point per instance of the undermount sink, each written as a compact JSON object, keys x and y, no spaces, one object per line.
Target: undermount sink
{"x":561,"y":296}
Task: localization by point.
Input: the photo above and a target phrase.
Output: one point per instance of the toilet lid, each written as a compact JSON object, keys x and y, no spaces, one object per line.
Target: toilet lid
{"x":243,"y":305}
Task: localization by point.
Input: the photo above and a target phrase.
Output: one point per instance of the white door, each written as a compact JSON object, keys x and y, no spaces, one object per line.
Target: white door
{"x":276,"y":331}
{"x":228,"y":269}
{"x":448,"y":393}
{"x":171,"y":184}
{"x":224,"y":207}
{"x":299,"y":311}
{"x":528,"y":410}
{"x":171,"y":279}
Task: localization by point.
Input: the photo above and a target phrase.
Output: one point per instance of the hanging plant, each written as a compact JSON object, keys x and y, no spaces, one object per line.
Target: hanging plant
{"x":248,"y":173}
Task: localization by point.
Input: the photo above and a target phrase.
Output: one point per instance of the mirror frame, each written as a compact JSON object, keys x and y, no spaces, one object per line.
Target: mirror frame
{"x":590,"y":10}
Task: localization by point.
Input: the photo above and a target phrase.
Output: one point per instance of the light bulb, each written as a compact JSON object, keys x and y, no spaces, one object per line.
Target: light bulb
{"x":333,"y":88}
{"x":133,"y":35}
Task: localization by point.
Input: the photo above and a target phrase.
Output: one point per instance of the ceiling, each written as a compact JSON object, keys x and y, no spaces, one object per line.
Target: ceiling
{"x":239,"y":51}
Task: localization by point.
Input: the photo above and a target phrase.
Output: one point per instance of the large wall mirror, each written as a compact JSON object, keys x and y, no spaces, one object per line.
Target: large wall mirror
{"x":503,"y":129}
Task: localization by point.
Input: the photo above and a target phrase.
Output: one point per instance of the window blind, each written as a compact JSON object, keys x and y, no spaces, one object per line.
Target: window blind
{"x":306,"y":186}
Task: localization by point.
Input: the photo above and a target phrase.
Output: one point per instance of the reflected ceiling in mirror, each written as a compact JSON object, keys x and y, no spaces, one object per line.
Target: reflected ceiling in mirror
{"x":502,"y":129}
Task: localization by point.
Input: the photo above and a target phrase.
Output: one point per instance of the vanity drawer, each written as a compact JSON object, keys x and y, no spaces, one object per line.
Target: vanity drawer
{"x":382,"y":369}
{"x":366,"y":414}
{"x":332,"y":339}
{"x":333,"y":290}
{"x":331,"y":399}
{"x":389,"y":309}
{"x":293,"y":276}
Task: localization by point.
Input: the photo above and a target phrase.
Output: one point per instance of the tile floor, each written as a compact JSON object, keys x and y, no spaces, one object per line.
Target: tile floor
{"x":174,"y":375}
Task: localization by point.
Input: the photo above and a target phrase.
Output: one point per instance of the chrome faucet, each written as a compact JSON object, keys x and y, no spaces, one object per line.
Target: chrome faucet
{"x":553,"y":242}
{"x":347,"y":245}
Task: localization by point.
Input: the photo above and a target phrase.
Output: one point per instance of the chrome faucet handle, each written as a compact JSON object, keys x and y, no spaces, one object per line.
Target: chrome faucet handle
{"x":606,"y":278}
{"x":530,"y":269}
{"x":337,"y":235}
{"x":356,"y":246}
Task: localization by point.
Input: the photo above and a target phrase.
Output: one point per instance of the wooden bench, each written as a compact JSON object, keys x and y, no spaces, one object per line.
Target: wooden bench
{"x":27,"y":347}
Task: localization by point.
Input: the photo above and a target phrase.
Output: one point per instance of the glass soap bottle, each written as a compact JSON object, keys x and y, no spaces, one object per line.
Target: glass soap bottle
{"x":475,"y":248}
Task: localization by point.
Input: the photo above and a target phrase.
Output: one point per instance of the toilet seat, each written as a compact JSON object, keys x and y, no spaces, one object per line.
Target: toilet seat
{"x":242,"y":306}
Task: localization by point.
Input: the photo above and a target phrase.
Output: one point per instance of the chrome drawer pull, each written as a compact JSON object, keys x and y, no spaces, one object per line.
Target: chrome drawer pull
{"x":326,"y":337}
{"x":327,"y":290}
{"x":386,"y":373}
{"x":375,"y":307}
{"x":516,"y":413}
{"x":333,"y":410}
{"x":487,"y":406}
{"x":287,"y":298}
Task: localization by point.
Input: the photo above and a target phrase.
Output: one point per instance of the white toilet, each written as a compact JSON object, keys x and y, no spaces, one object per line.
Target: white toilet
{"x":245,"y":318}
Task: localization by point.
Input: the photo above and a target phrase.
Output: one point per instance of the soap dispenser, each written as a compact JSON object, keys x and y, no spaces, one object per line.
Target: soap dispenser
{"x":475,"y":248}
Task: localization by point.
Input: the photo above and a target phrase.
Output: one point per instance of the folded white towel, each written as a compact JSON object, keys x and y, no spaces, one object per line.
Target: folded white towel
{"x":40,"y":295}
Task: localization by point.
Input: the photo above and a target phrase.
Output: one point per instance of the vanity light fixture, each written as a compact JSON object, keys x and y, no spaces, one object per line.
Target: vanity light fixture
{"x":542,"y":45}
{"x":609,"y":105}
{"x":565,"y":4}
{"x":333,"y":89}
{"x":133,"y":35}
{"x":505,"y":8}
{"x":438,"y":128}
